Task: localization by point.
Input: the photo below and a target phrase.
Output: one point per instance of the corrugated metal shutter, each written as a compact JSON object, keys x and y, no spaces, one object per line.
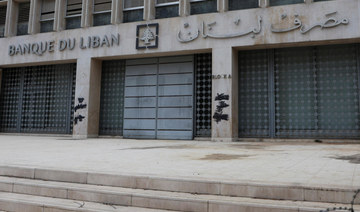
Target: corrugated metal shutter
{"x":159,"y":98}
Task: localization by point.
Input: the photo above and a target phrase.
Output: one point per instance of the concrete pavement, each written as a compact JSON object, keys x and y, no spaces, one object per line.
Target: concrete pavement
{"x":294,"y":163}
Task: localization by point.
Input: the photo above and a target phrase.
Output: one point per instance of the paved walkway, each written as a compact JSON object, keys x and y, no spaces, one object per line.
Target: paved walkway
{"x":312,"y":164}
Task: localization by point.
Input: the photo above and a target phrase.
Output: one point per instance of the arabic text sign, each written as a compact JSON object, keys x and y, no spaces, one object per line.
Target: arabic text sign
{"x":206,"y":29}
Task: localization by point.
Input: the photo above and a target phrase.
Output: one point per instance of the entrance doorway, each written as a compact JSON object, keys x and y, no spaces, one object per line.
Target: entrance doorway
{"x":159,"y":98}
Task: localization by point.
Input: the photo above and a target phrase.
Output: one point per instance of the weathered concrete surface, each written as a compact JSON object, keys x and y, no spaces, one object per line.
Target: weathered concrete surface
{"x":309,"y":14}
{"x":328,"y":18}
{"x":309,"y":164}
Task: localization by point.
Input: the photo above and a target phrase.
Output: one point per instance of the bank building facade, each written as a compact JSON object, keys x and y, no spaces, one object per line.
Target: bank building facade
{"x":181,"y":69}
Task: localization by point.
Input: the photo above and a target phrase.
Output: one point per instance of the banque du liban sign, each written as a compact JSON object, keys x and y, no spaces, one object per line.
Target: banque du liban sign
{"x":40,"y":48}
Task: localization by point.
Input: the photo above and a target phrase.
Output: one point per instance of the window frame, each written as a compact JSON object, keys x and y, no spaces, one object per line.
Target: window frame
{"x":100,"y":12}
{"x":46,"y":19}
{"x":2,"y":35}
{"x":191,"y":1}
{"x":72,"y":16}
{"x":132,"y":8}
{"x":28,"y":18}
{"x":167,"y":4}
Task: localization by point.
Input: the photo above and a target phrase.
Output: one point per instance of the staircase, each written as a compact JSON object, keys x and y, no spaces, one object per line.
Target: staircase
{"x":44,"y":190}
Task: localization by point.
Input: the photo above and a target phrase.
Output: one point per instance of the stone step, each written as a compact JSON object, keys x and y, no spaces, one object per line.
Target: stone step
{"x":29,"y":203}
{"x":164,"y":200}
{"x":191,"y":185}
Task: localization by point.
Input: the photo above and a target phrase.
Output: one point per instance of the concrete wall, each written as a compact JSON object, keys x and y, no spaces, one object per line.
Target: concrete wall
{"x":224,"y":50}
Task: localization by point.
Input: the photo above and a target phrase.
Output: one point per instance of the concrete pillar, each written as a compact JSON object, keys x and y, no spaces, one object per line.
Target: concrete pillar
{"x":11,"y":18}
{"x":117,"y":11}
{"x":184,"y":8}
{"x":86,"y":16}
{"x":34,"y":19}
{"x":60,"y":12}
{"x":264,"y":3}
{"x":308,"y":1}
{"x":6,"y":19}
{"x":225,"y":75}
{"x":222,"y":5}
{"x":149,"y":10}
{"x":88,"y":84}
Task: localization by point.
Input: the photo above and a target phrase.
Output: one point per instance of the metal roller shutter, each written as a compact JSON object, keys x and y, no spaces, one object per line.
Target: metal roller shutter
{"x":159,"y":98}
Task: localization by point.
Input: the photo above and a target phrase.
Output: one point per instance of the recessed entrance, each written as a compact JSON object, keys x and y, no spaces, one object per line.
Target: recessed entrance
{"x":300,"y":92}
{"x":159,"y":98}
{"x":37,"y":99}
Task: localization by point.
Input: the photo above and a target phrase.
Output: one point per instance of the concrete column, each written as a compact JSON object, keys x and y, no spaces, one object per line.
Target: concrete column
{"x":222,"y":5}
{"x":6,"y":19}
{"x":60,"y":12}
{"x":264,"y":3}
{"x":149,"y":10}
{"x":34,"y":19}
{"x":11,"y":18}
{"x":88,"y":84}
{"x":117,"y":11}
{"x":87,"y":12}
{"x":308,"y":1}
{"x":225,"y":75}
{"x":184,"y":8}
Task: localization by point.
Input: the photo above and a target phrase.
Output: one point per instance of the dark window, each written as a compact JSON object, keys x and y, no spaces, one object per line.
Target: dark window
{"x":167,"y":8}
{"x":73,"y":14}
{"x":2,"y":20}
{"x":102,"y":12}
{"x":203,"y":6}
{"x":133,"y":10}
{"x":284,"y":2}
{"x":243,"y":4}
{"x":23,"y":19}
{"x":47,"y":16}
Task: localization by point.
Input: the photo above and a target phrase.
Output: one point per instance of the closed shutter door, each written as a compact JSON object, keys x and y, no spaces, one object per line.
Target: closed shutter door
{"x":295,"y":92}
{"x":140,"y":99}
{"x":38,"y":99}
{"x":253,"y":94}
{"x":159,"y":98}
{"x":307,"y":92}
{"x":112,"y":97}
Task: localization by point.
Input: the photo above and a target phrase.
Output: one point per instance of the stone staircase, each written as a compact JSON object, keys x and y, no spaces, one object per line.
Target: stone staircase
{"x":44,"y":190}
